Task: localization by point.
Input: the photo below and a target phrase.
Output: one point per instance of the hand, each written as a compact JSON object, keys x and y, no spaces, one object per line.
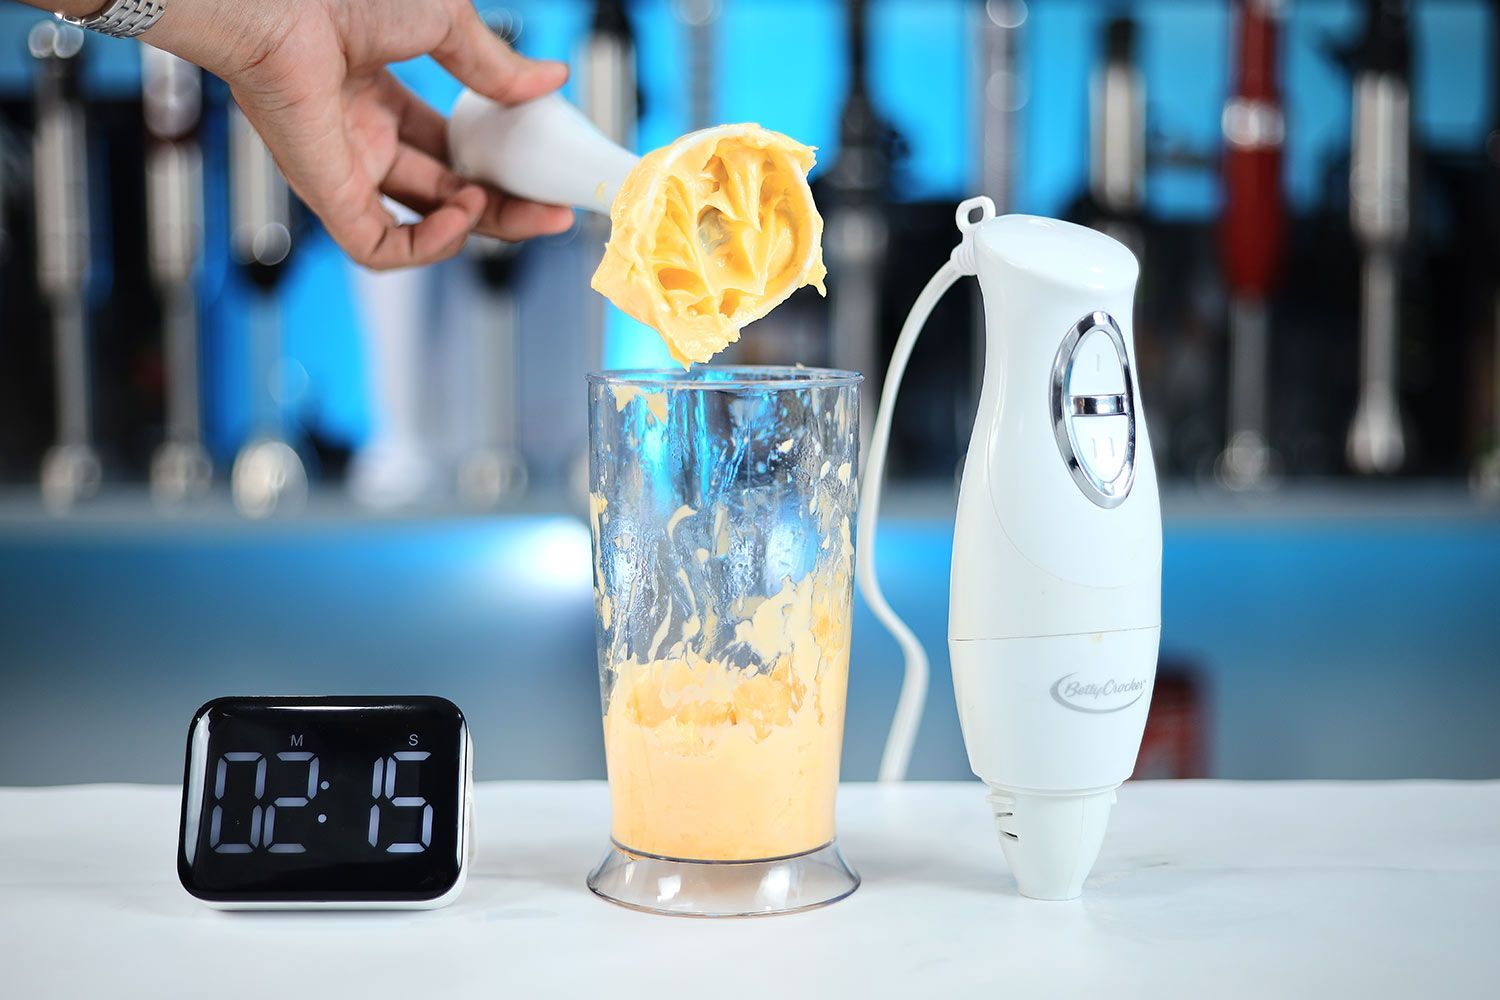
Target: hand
{"x":311,"y":76}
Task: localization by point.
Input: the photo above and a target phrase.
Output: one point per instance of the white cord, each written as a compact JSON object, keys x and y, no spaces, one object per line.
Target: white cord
{"x":903,"y":734}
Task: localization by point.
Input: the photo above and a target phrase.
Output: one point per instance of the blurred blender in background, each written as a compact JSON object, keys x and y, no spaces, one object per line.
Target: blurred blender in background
{"x":1252,"y":237}
{"x":1380,"y":212}
{"x":857,"y":235}
{"x":610,"y":95}
{"x":1485,"y":475}
{"x":268,"y":476}
{"x":71,"y":469}
{"x":492,"y":468}
{"x":172,"y":98}
{"x":998,"y":112}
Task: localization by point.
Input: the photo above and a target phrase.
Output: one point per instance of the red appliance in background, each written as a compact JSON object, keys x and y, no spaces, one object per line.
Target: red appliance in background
{"x":1175,"y":743}
{"x":1251,"y":235}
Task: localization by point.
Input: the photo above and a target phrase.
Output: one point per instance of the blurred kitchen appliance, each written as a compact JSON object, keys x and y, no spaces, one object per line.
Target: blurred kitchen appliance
{"x":1484,"y":477}
{"x":857,"y":234}
{"x":172,"y":96}
{"x":1001,"y":98}
{"x":5,"y":237}
{"x":1379,"y":210}
{"x":1055,"y":606}
{"x":494,"y":470}
{"x":609,"y":95}
{"x":70,"y":469}
{"x":700,"y":17}
{"x":395,"y":467}
{"x":1000,"y":23}
{"x":1252,"y":239}
{"x":1175,"y":741}
{"x":268,"y":474}
{"x":1117,"y":136}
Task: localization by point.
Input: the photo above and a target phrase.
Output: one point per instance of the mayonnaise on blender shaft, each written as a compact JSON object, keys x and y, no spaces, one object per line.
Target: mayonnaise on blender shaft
{"x":711,"y":233}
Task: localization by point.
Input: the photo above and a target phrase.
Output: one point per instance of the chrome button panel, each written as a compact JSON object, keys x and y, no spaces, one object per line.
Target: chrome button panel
{"x":1094,"y":409}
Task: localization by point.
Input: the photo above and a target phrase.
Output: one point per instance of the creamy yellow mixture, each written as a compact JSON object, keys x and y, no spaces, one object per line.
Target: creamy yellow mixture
{"x":711,"y":233}
{"x":711,"y":761}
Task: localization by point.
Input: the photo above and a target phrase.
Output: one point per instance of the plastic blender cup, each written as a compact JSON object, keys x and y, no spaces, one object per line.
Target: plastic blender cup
{"x":723,"y":504}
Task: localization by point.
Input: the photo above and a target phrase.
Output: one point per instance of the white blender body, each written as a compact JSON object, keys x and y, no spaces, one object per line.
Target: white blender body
{"x":1055,"y":607}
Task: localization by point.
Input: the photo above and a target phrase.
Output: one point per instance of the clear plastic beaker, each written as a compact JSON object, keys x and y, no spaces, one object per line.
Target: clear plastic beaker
{"x":723,"y":504}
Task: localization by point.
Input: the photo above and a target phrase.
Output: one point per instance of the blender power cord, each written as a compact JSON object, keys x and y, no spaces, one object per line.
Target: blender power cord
{"x":913,"y":698}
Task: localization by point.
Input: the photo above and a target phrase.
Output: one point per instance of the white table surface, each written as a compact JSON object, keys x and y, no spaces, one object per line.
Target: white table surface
{"x":1203,"y":889}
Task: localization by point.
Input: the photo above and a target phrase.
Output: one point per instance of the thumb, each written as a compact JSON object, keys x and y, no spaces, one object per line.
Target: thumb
{"x":485,"y":64}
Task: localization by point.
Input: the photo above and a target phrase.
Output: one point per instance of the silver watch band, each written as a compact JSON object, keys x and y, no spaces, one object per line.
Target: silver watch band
{"x":122,"y":18}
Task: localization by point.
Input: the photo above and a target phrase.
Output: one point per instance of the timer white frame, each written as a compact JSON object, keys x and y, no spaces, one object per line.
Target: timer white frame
{"x":193,"y":812}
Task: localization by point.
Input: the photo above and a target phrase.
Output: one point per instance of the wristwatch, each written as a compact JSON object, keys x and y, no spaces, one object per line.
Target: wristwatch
{"x":121,"y":18}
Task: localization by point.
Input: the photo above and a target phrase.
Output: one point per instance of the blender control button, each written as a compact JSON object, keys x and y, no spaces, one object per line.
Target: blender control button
{"x":1102,"y":444}
{"x":1093,"y":409}
{"x":1096,"y":367}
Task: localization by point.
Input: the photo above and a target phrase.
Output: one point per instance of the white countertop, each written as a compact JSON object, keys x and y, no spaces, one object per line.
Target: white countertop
{"x":1203,"y":889}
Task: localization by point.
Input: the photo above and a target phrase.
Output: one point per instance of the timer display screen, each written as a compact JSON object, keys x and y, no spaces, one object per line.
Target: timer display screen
{"x":324,"y":800}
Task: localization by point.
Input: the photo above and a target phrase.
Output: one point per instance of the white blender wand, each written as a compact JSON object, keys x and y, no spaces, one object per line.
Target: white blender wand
{"x":1055,"y":608}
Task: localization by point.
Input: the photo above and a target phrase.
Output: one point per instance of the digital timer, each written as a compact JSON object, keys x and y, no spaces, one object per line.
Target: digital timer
{"x":326,"y":803}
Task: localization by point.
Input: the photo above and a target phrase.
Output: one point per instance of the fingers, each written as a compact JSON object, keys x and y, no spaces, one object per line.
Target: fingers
{"x":437,"y":237}
{"x":517,"y":219}
{"x":484,"y":63}
{"x":424,"y":185}
{"x":416,"y":122}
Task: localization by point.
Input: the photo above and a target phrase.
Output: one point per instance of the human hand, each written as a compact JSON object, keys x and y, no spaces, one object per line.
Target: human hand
{"x":311,"y":76}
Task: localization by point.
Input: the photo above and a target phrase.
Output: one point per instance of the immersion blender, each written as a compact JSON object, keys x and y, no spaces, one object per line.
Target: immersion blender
{"x":70,"y":469}
{"x":172,"y":96}
{"x":268,"y":475}
{"x":1055,"y":606}
{"x":1379,"y":209}
{"x":493,"y":468}
{"x":1251,"y":240}
{"x":857,"y":236}
{"x":1117,"y":136}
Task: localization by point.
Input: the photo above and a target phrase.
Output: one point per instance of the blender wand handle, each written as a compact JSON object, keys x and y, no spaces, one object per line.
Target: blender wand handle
{"x":544,"y":150}
{"x":70,"y":469}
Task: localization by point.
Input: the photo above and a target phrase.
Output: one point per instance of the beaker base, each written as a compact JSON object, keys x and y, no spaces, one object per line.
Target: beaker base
{"x":723,"y":888}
